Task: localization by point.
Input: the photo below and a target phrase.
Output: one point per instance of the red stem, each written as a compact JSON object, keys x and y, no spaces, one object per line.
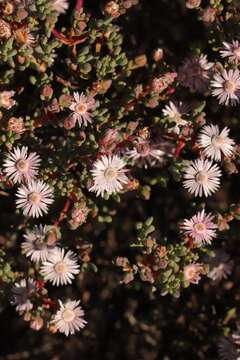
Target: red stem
{"x":63,"y":212}
{"x":58,"y":35}
{"x":79,"y":5}
{"x":180,"y":145}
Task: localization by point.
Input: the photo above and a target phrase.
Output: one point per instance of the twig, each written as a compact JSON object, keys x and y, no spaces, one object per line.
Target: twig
{"x":79,"y":5}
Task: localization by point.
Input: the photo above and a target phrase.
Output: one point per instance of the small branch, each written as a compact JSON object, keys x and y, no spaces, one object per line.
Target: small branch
{"x":79,"y":5}
{"x":63,"y":212}
{"x":75,"y":40}
{"x":180,"y":146}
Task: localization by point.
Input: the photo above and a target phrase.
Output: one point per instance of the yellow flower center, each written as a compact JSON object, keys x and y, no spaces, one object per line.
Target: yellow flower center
{"x":201,"y":177}
{"x":217,"y":140}
{"x":21,"y":36}
{"x":60,"y":267}
{"x":229,"y":86}
{"x":34,"y":197}
{"x":81,"y":108}
{"x":200,"y":227}
{"x":22,"y":165}
{"x":110,"y":173}
{"x":68,"y":315}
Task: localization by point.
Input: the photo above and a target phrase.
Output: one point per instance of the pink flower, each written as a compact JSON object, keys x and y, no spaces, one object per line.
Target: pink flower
{"x":192,"y":272}
{"x":78,"y":216}
{"x":15,"y":125}
{"x":60,"y":6}
{"x":231,"y":51}
{"x":194,"y":73}
{"x":6,"y":100}
{"x":200,"y":227}
{"x":160,"y":84}
{"x":37,"y":323}
{"x":81,"y":108}
{"x":221,"y":266}
{"x":145,"y":154}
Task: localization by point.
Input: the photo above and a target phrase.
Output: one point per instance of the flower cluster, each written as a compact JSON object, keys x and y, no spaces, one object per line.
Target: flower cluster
{"x":116,"y":159}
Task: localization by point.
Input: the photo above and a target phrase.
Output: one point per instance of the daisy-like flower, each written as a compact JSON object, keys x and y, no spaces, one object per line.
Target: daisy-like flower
{"x":194,"y":73}
{"x":200,"y":227}
{"x":202,"y":177}
{"x":21,"y":166}
{"x":227,"y":349}
{"x":34,"y":198}
{"x":60,"y":6}
{"x":215,"y":143}
{"x":36,"y":245}
{"x":192,"y":272}
{"x":24,"y":36}
{"x":20,"y":295}
{"x":81,"y":107}
{"x":108,"y":175}
{"x":144,"y":154}
{"x":231,"y":51}
{"x":60,"y":268}
{"x":226,"y":87}
{"x":69,"y":318}
{"x":220,"y":265}
{"x":175,"y":112}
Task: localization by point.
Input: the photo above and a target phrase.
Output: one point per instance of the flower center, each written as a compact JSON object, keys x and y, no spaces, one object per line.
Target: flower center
{"x":22,"y":165}
{"x":229,"y":86}
{"x":39,"y":243}
{"x":68,"y":315}
{"x":201,"y":177}
{"x":144,"y":149}
{"x":217,"y":140}
{"x":110,"y":173}
{"x":191,"y":274}
{"x":200,"y":227}
{"x":34,"y":197}
{"x":81,"y":108}
{"x":60,"y":267}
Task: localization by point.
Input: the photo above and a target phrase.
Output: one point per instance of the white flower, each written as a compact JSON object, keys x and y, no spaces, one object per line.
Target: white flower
{"x":221,"y":266}
{"x":60,"y":6}
{"x":35,"y":245}
{"x":226,"y":87}
{"x":200,"y":227}
{"x":175,"y":112}
{"x":144,"y":154}
{"x":21,"y":166}
{"x":215,"y":143}
{"x":69,"y":318}
{"x":231,"y":50}
{"x":202,"y":177}
{"x":108,"y":175}
{"x":60,"y":268}
{"x":81,"y":108}
{"x":20,"y":295}
{"x":34,"y":198}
